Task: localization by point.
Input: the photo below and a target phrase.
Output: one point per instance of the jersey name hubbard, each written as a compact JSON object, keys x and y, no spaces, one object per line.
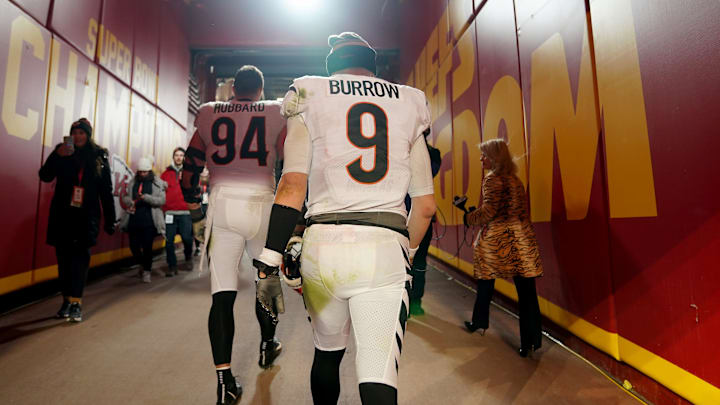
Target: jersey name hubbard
{"x":361,"y":129}
{"x":240,"y":141}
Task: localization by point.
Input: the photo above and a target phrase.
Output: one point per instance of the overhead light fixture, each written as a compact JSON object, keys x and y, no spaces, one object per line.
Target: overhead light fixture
{"x":304,"y":6}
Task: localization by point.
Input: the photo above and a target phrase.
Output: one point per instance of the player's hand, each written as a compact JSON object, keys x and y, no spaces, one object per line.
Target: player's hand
{"x":411,"y":253}
{"x":269,"y":288}
{"x":291,"y":263}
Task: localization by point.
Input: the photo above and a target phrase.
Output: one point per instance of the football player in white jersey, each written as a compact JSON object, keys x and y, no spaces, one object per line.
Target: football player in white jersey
{"x":355,"y":143}
{"x":239,"y":142}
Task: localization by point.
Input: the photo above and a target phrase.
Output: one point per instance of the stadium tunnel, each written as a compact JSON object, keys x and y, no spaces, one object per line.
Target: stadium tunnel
{"x":607,"y":106}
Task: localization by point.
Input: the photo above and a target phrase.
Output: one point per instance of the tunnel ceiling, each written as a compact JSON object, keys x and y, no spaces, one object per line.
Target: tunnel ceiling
{"x":276,"y":23}
{"x":283,"y":42}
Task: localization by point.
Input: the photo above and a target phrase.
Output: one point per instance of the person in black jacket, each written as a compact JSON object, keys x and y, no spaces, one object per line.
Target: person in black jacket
{"x":419,"y":264}
{"x":82,"y":172}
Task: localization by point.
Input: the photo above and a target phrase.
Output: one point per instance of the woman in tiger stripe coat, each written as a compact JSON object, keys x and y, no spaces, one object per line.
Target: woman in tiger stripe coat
{"x":506,"y":246}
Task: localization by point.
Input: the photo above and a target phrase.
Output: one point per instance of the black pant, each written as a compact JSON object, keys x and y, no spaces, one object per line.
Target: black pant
{"x":530,"y":329}
{"x":182,"y":224}
{"x":419,"y":267}
{"x":73,"y":262}
{"x":141,"y":245}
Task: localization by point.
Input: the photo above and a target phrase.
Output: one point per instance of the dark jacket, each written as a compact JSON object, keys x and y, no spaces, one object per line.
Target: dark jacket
{"x":174,"y":200}
{"x":79,"y":226}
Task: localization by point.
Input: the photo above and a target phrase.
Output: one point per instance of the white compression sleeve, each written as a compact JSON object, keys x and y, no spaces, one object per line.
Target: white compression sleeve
{"x":298,"y":148}
{"x":421,"y":181}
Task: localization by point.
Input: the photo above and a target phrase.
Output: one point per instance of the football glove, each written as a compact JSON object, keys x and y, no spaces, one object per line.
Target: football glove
{"x":269,"y":289}
{"x":291,"y":263}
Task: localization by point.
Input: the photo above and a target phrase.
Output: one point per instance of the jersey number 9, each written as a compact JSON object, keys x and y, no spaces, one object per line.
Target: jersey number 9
{"x":255,"y":129}
{"x":378,"y":141}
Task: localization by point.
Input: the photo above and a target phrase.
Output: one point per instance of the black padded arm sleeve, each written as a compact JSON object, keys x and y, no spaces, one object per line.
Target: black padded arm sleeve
{"x":282,"y":224}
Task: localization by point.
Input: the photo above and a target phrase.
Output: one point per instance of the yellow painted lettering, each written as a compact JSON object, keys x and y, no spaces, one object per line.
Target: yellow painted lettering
{"x":444,"y":40}
{"x":60,"y":97}
{"x":87,"y":108}
{"x":631,"y":186}
{"x":431,"y":50}
{"x":463,"y":75}
{"x":466,"y":136}
{"x":420,"y":70}
{"x":441,"y":98}
{"x":505,"y":105}
{"x":573,"y":128}
{"x":444,"y":195}
{"x":102,"y":46}
{"x":22,"y":31}
{"x":91,"y":45}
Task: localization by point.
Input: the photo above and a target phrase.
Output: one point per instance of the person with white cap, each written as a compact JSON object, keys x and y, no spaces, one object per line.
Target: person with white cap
{"x":355,"y":143}
{"x":144,"y":196}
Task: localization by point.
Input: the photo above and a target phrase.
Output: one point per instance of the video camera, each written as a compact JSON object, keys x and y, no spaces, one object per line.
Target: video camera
{"x":459,"y":202}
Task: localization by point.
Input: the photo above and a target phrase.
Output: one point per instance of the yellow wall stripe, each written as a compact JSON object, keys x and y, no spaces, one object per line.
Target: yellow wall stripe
{"x":666,"y":373}
{"x":684,"y":383}
{"x":30,"y":277}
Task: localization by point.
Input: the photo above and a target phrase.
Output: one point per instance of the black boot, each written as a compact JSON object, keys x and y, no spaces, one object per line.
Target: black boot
{"x":75,"y":312}
{"x":269,"y":351}
{"x":64,"y":311}
{"x":229,"y":391}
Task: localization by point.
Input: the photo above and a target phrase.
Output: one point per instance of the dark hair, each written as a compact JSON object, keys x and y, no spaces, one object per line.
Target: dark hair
{"x":248,"y":80}
{"x":178,"y":149}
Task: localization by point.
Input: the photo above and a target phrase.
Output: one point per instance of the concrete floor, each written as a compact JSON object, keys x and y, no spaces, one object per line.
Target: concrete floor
{"x":148,"y":344}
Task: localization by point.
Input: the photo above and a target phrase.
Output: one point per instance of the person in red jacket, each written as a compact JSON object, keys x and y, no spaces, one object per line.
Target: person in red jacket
{"x":177,"y":214}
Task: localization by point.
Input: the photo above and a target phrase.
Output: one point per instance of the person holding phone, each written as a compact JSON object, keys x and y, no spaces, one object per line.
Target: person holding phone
{"x":81,"y":171}
{"x":144,"y":219}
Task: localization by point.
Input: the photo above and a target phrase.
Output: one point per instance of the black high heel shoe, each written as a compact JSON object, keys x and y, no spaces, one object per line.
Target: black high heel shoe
{"x":472,"y":328}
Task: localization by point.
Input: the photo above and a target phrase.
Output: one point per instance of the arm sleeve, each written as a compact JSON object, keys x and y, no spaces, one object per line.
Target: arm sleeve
{"x":106,"y":193}
{"x":48,"y":171}
{"x":192,"y":167}
{"x":421,"y":181}
{"x":424,"y":118}
{"x":157,"y":198}
{"x":296,"y":99}
{"x":298,"y":147}
{"x":492,"y":196}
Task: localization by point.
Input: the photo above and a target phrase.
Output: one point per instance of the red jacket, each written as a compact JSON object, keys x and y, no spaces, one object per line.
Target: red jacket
{"x":174,"y":200}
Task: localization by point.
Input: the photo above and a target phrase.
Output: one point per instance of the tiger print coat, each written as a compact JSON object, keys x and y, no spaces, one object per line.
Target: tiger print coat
{"x":506,"y":244}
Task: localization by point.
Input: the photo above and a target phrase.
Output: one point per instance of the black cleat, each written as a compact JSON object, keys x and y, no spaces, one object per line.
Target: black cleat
{"x":269,"y":351}
{"x":229,"y":392}
{"x":75,"y":312}
{"x":64,"y":311}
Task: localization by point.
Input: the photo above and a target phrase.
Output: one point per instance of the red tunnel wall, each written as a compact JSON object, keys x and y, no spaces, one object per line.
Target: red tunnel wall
{"x":608,"y":108}
{"x":60,"y":61}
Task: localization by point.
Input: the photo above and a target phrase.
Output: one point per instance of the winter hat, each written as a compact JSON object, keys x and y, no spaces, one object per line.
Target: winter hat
{"x":83,"y":124}
{"x":145,"y":164}
{"x":349,"y":50}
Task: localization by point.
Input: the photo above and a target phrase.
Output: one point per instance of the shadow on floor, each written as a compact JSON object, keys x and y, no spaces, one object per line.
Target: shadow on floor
{"x":8,"y":333}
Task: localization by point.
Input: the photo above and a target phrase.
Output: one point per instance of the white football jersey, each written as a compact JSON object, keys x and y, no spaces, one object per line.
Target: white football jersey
{"x":240,"y":142}
{"x":361,"y":129}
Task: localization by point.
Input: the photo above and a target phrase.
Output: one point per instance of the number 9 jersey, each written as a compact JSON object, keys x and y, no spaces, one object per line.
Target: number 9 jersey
{"x":361,"y":131}
{"x":239,"y":142}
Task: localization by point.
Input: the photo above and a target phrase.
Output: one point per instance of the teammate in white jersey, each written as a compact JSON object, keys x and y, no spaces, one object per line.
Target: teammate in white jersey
{"x":356,"y":143}
{"x":239,"y":142}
